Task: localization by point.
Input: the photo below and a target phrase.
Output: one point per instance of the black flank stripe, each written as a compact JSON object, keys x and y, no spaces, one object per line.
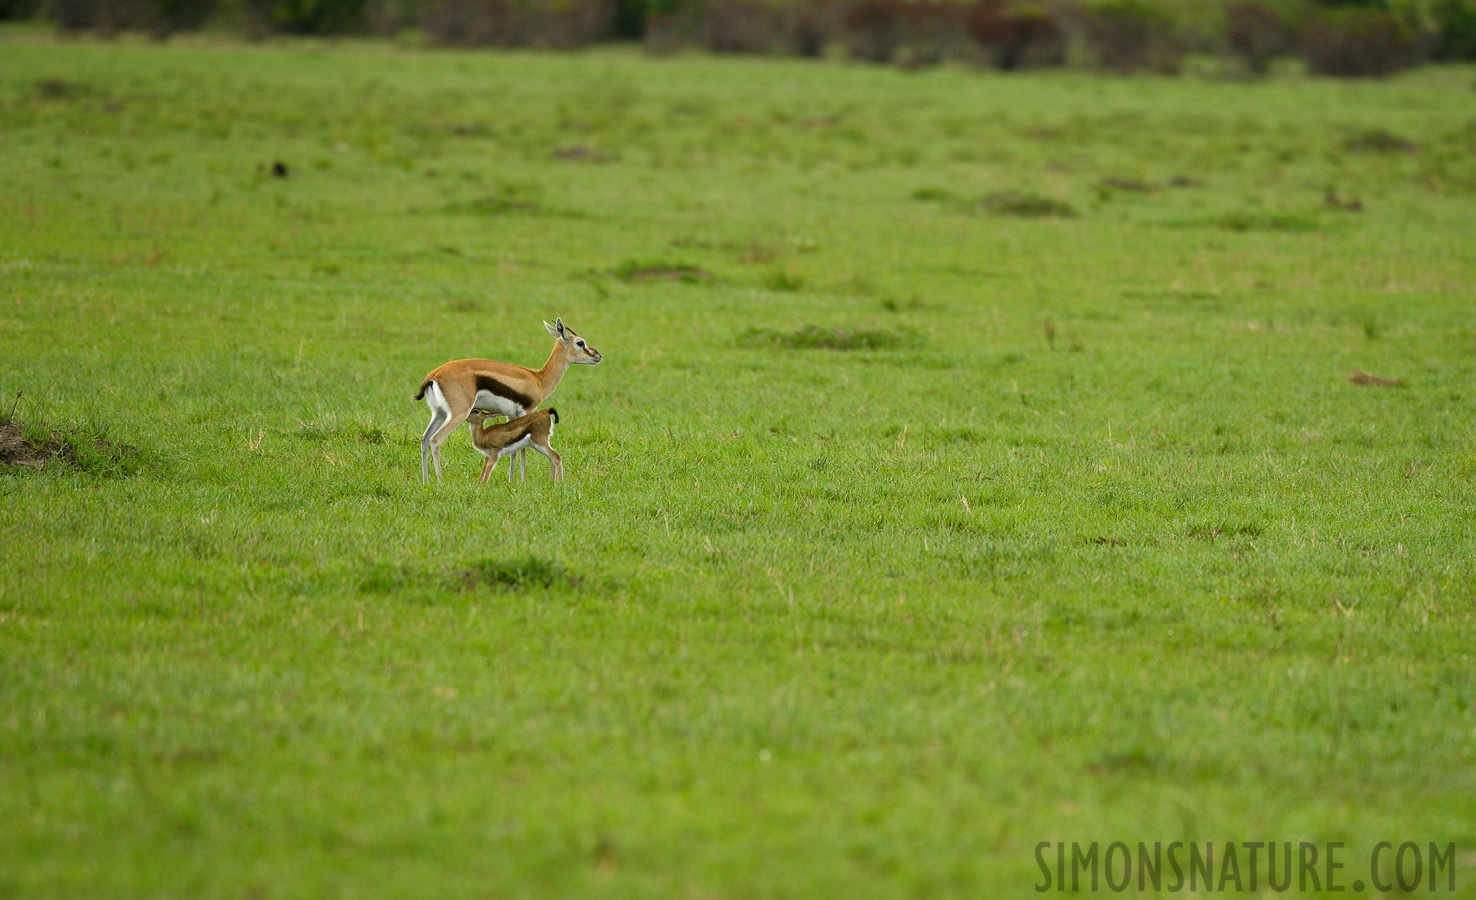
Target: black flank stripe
{"x":493,"y":386}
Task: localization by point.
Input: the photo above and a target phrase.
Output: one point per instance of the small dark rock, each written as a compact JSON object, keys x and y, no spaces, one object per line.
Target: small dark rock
{"x":1332,"y":201}
{"x":1127,"y":184}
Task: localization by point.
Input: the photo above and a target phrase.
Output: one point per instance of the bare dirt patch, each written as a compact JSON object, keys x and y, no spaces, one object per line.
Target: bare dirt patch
{"x":582,"y":154}
{"x":1367,"y":379}
{"x":1132,"y":185}
{"x":32,"y":448}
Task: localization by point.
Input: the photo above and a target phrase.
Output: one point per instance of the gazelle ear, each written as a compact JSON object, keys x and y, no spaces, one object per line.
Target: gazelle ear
{"x":559,"y":324}
{"x":554,"y":330}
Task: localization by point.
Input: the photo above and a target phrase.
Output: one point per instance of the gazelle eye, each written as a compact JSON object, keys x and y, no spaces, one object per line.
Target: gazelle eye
{"x":580,"y":343}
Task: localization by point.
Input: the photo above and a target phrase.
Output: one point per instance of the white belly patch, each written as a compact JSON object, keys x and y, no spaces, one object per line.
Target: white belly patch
{"x":519,"y":444}
{"x":499,"y":406}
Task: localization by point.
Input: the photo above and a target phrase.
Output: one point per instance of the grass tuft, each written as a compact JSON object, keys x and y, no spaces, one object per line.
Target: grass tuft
{"x":371,"y":433}
{"x":1379,"y":140}
{"x":494,"y":205}
{"x":645,"y":270}
{"x":783,"y":280}
{"x":813,"y":337}
{"x":931,"y":193}
{"x":1015,"y":203}
{"x":518,"y":574}
{"x":60,"y":89}
{"x":1217,"y":530}
{"x":1132,"y":185}
{"x":1266,"y":221}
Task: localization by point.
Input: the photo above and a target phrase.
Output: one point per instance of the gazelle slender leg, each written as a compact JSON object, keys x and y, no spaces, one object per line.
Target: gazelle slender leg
{"x":425,"y":446}
{"x":556,"y":464}
{"x":487,"y":468}
{"x":438,"y":418}
{"x":440,"y":436}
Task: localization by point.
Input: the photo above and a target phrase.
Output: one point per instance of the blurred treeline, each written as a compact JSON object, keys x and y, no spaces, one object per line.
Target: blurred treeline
{"x":1334,"y":37}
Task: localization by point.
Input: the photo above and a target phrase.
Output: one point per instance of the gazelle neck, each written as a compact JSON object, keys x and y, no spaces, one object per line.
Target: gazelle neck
{"x":554,"y":369}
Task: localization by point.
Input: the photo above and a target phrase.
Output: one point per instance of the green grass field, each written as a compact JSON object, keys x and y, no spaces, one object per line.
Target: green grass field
{"x":986,"y":472}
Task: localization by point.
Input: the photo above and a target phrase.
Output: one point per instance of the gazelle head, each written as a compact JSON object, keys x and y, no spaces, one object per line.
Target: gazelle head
{"x":476,"y":417}
{"x":580,"y":353}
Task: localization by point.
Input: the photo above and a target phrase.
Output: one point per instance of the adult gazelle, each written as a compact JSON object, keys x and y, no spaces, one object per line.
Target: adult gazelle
{"x":453,"y":390}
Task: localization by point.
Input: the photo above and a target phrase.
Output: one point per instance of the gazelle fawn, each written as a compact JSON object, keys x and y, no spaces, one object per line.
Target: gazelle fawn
{"x":453,"y":390}
{"x":496,"y":441}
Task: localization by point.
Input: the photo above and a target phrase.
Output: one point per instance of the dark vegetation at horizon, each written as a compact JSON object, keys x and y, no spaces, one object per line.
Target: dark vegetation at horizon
{"x":1344,"y":38}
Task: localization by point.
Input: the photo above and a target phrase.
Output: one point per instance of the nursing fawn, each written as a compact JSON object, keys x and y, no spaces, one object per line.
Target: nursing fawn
{"x":496,"y":441}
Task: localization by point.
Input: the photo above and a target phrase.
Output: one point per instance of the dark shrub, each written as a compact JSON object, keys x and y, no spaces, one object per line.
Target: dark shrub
{"x":76,"y":15}
{"x":809,"y":27}
{"x":386,"y":17}
{"x":909,"y":32}
{"x":307,"y":16}
{"x":1357,"y":42}
{"x":668,"y":25}
{"x":470,"y":23}
{"x":522,"y":23}
{"x":1133,"y":36}
{"x":567,"y":26}
{"x":741,"y":26}
{"x":630,"y":18}
{"x":934,"y":30}
{"x":1018,"y":37}
{"x":159,"y":17}
{"x":1455,"y":29}
{"x":873,"y":29}
{"x":1256,"y":34}
{"x":18,"y":9}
